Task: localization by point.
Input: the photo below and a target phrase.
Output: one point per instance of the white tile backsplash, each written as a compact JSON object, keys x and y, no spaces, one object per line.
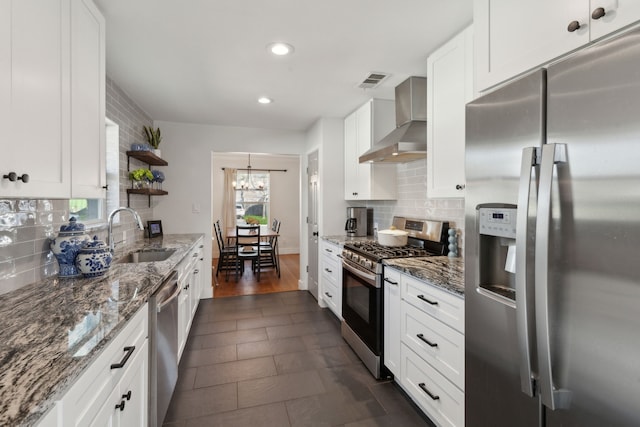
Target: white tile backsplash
{"x":413,"y":202}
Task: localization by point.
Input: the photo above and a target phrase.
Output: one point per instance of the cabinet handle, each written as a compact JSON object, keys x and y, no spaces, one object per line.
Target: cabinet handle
{"x":427,"y":300}
{"x":328,"y":250}
{"x":598,"y":13}
{"x":120,"y":406}
{"x":460,"y":187}
{"x":196,"y":271}
{"x":201,"y":246}
{"x":390,"y":281}
{"x":429,"y":343}
{"x":426,"y":390}
{"x":106,"y":187}
{"x":201,"y":259}
{"x":194,"y":255}
{"x":328,"y":294}
{"x":12,"y":176}
{"x":129,"y":351}
{"x":573,"y":26}
{"x":328,"y":271}
{"x":127,"y":396}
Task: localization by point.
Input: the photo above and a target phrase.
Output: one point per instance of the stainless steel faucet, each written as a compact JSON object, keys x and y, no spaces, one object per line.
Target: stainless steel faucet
{"x":112,"y":244}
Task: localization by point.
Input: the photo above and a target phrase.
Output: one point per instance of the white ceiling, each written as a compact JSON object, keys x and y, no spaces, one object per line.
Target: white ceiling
{"x":205,"y":61}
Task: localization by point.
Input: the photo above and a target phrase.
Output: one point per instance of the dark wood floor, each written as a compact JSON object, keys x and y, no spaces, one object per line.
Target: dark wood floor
{"x":248,"y":284}
{"x":278,"y":360}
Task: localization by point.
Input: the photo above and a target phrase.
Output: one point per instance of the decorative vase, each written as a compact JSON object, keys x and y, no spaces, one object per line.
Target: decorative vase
{"x":94,"y":259}
{"x":138,"y":185}
{"x":157,"y":152}
{"x":66,"y":246}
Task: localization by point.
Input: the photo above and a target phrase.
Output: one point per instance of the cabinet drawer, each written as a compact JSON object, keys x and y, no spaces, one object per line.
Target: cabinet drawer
{"x":328,"y":248}
{"x":330,"y":267}
{"x":440,"y":304}
{"x":391,"y":277}
{"x":446,"y":352}
{"x":94,"y":386}
{"x":445,"y":406}
{"x":332,"y":295}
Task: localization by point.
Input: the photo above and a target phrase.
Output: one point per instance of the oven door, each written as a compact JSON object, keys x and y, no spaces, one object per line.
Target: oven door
{"x":362,"y":305}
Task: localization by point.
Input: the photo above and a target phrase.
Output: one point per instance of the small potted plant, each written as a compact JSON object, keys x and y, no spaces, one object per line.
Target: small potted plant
{"x":140,"y":178}
{"x":153,"y":138}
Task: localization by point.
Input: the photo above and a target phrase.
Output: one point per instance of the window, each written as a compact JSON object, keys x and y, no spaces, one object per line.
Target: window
{"x":94,"y":210}
{"x":252,"y":196}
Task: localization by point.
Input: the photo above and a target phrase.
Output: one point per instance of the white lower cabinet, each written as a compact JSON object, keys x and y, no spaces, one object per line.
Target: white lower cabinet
{"x":392,"y":303}
{"x":113,"y":391}
{"x":331,"y":277}
{"x":438,"y":344}
{"x":442,"y":401}
{"x":424,"y":345}
{"x":127,"y":404}
{"x":190,"y":282}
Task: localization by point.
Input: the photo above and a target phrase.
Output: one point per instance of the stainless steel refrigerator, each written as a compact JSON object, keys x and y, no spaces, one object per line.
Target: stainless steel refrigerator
{"x":552,"y":226}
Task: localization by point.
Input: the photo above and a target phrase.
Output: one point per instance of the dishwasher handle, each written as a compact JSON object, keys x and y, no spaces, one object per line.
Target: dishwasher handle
{"x":169,"y":291}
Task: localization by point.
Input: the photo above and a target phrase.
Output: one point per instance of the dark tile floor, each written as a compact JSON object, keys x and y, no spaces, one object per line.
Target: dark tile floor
{"x":278,"y":360}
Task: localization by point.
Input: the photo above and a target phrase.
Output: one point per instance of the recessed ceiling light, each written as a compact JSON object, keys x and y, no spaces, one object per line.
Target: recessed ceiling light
{"x":265,"y":100}
{"x":280,"y":49}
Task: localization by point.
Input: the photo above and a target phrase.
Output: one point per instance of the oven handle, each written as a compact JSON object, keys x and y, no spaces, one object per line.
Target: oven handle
{"x":370,"y":278}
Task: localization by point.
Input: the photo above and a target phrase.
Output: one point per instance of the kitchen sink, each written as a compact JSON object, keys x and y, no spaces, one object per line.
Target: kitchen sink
{"x":147,"y":255}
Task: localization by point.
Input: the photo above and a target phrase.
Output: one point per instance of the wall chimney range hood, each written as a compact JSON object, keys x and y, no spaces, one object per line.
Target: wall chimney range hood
{"x":408,"y":141}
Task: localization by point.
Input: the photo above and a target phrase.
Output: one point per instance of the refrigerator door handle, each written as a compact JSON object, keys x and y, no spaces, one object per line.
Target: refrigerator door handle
{"x":523,"y":306}
{"x":551,"y":397}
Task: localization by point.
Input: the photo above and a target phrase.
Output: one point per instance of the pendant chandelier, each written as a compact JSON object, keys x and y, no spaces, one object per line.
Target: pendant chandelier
{"x":249,"y":184}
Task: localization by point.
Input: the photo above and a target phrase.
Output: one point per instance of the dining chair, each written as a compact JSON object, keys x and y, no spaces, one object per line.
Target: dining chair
{"x":270,"y":256}
{"x":227,"y":260}
{"x":248,"y":248}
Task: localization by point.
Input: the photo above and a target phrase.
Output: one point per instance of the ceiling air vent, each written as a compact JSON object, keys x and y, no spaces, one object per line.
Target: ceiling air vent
{"x":372,"y":80}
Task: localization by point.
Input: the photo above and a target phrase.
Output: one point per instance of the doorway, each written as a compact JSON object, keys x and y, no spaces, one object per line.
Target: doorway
{"x":312,"y":223}
{"x":283,"y":204}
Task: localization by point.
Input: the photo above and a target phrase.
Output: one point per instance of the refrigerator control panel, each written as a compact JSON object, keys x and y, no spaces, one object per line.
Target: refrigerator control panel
{"x":497,"y":222}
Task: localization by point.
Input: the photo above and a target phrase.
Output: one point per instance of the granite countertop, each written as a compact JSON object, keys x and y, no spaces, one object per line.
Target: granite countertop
{"x":342,"y":239}
{"x":441,"y":271}
{"x":53,"y":329}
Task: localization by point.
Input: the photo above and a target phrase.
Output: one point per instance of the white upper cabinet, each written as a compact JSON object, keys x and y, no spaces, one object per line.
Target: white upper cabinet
{"x":51,"y":97}
{"x":617,"y":14}
{"x":513,"y":37}
{"x":88,"y":151}
{"x":35,"y":98}
{"x":449,"y":88}
{"x":362,"y":128}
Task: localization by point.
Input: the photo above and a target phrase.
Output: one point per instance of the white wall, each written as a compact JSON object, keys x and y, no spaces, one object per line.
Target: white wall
{"x":187,"y":148}
{"x":327,"y":136}
{"x":284,"y":191}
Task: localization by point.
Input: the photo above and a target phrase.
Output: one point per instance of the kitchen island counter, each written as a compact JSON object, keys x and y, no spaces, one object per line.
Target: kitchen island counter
{"x":441,"y":271}
{"x":53,"y":329}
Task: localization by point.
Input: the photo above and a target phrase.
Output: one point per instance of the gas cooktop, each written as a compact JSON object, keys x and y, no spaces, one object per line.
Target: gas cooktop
{"x":425,"y":238}
{"x":375,"y":250}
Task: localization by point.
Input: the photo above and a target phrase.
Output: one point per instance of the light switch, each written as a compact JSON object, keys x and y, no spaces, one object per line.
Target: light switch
{"x":195,"y":208}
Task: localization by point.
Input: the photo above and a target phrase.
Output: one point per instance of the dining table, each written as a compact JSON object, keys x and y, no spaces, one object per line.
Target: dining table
{"x":265,"y":232}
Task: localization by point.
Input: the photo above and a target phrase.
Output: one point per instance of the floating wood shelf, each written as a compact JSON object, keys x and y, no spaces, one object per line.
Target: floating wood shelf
{"x":146,"y":156}
{"x":146,"y":191}
{"x":152,"y":160}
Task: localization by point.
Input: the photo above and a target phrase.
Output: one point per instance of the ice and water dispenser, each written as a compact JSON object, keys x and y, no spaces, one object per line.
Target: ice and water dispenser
{"x":497,"y":249}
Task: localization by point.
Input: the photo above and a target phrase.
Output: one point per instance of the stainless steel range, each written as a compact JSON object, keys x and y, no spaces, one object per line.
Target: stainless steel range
{"x":362,"y":278}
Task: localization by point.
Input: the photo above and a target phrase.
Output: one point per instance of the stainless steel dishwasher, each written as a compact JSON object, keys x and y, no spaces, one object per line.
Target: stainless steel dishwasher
{"x":163,"y":340}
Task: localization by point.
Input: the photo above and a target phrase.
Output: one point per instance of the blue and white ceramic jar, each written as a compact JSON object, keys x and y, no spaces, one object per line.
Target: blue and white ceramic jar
{"x":94,"y":259}
{"x":66,"y":246}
